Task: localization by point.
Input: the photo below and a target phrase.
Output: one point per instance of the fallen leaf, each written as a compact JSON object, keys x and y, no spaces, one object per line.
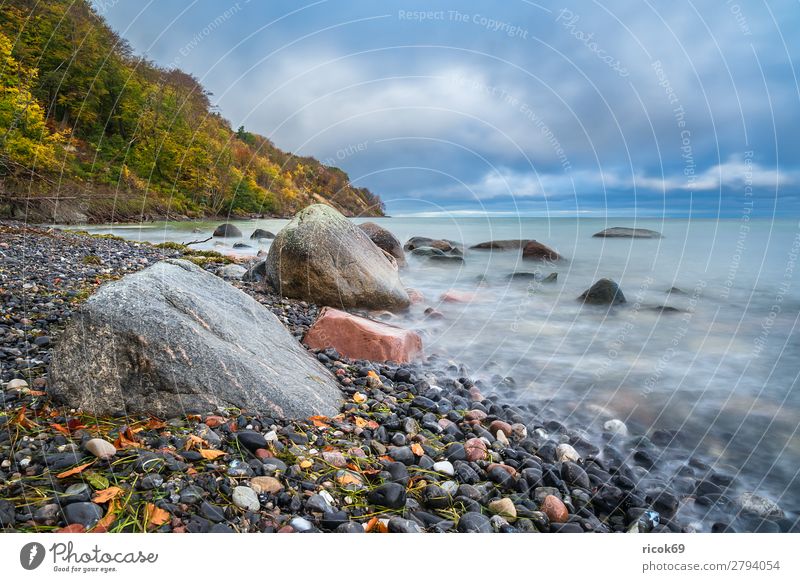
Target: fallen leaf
{"x":22,"y":419}
{"x":61,"y":428}
{"x":155,"y":423}
{"x":155,"y":515}
{"x":306,"y":464}
{"x":193,"y":441}
{"x":211,"y":454}
{"x":371,"y":524}
{"x":96,"y":480}
{"x":348,"y":479}
{"x":126,"y":439}
{"x":358,"y":397}
{"x":38,"y":392}
{"x":107,"y":494}
{"x":417,"y":449}
{"x":73,"y":424}
{"x":108,"y":519}
{"x":319,"y":421}
{"x":74,"y":470}
{"x":360,"y":422}
{"x":373,"y":374}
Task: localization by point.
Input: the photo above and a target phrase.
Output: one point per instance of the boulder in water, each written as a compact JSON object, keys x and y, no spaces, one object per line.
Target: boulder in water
{"x":501,"y":245}
{"x":261,"y":233}
{"x":322,"y":257}
{"x":227,"y":230}
{"x":604,"y":292}
{"x":534,"y":250}
{"x":385,"y":240}
{"x":174,"y":338}
{"x":625,"y":232}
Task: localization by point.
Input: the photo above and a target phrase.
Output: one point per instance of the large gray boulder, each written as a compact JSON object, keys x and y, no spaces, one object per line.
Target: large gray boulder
{"x":322,"y":257}
{"x":173,"y":339}
{"x":227,"y":230}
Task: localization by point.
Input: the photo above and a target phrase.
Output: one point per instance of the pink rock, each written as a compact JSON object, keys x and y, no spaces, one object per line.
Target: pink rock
{"x":475,"y":449}
{"x":454,"y":296}
{"x":362,"y":339}
{"x":555,"y":509}
{"x":415,"y":296}
{"x":264,"y":454}
{"x":475,"y":394}
{"x":475,"y":416}
{"x":500,"y":425}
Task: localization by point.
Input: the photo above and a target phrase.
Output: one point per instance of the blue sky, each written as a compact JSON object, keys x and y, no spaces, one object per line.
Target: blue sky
{"x":613,"y":107}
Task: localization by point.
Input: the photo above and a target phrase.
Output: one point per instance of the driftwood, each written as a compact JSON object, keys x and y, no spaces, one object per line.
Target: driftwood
{"x":197,"y":242}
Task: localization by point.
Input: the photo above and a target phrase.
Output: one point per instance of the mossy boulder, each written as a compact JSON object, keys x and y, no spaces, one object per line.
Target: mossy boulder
{"x":322,"y":257}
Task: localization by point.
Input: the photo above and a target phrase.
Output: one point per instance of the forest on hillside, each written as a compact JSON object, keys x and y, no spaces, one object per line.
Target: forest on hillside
{"x":89,"y":129}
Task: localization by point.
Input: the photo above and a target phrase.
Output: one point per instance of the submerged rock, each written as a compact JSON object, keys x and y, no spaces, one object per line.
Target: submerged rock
{"x":227,"y":231}
{"x":501,"y":245}
{"x":322,"y":257}
{"x":362,"y":339}
{"x":261,"y":233}
{"x":604,"y":292}
{"x":174,"y":338}
{"x":625,"y":232}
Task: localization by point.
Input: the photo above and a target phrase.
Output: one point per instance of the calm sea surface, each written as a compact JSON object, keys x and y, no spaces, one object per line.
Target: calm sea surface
{"x":722,"y":373}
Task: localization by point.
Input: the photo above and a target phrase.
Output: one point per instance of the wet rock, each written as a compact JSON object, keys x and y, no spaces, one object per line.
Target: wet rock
{"x":473,"y":522}
{"x":625,"y":232}
{"x":603,"y":292}
{"x":504,"y":507}
{"x":261,"y":233}
{"x":227,"y":230}
{"x":85,"y":513}
{"x":754,"y":504}
{"x":390,"y":495}
{"x":534,"y":250}
{"x":399,"y":525}
{"x":554,"y":509}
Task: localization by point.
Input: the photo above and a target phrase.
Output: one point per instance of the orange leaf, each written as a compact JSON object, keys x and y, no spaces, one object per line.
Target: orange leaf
{"x":61,"y":428}
{"x":155,"y":515}
{"x":372,"y":374}
{"x":37,"y":393}
{"x":371,"y":524}
{"x":22,"y":420}
{"x":155,"y":423}
{"x":108,"y":519}
{"x":212,"y":454}
{"x":417,"y":449}
{"x":193,"y":441}
{"x":319,"y":421}
{"x":74,"y":470}
{"x":126,"y":439}
{"x":107,"y":494}
{"x":360,"y":422}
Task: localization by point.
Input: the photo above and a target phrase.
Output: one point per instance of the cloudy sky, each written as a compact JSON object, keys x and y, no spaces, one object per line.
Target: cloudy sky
{"x":606,"y":107}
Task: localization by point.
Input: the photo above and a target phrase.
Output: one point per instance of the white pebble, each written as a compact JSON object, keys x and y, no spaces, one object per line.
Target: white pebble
{"x":444,"y":467}
{"x":616,"y":426}
{"x":565,"y":452}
